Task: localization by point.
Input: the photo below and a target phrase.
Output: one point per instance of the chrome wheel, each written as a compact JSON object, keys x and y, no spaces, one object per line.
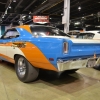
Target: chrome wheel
{"x":24,"y":70}
{"x":21,"y":67}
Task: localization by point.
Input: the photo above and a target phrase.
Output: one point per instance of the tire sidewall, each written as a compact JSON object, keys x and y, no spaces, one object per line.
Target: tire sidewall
{"x":16,"y":68}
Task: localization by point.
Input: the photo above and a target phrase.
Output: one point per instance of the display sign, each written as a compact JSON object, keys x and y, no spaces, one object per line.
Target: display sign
{"x":41,"y":19}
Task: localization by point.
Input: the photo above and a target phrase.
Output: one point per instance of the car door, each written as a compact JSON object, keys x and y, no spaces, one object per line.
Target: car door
{"x":9,"y":38}
{"x":2,"y":49}
{"x":3,"y":44}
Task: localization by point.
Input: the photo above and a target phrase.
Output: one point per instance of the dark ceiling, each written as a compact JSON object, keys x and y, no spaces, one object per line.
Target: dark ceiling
{"x":88,"y":15}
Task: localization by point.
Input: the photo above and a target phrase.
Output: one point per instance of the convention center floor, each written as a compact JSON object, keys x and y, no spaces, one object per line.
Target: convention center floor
{"x":84,"y":84}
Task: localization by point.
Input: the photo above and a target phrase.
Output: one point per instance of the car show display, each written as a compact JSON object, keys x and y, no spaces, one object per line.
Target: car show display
{"x":31,"y":47}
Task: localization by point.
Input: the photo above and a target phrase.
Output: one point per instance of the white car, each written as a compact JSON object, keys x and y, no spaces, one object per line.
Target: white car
{"x":89,"y":35}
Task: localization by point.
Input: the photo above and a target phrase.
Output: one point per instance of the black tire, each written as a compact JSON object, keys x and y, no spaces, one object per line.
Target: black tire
{"x":97,"y":67}
{"x":27,"y":73}
{"x":71,"y":71}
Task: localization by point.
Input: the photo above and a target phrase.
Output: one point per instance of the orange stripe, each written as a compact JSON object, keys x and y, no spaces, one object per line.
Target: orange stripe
{"x":8,"y":58}
{"x":26,"y":27}
{"x":36,"y":57}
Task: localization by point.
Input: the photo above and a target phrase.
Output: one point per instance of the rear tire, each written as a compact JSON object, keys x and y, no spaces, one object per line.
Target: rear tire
{"x":71,"y":71}
{"x":24,"y":70}
{"x":97,"y":67}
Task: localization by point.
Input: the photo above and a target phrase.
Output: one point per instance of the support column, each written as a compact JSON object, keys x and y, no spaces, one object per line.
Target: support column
{"x":66,"y":16}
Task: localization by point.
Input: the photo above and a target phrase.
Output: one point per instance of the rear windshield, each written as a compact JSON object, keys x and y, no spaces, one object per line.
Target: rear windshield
{"x":44,"y":30}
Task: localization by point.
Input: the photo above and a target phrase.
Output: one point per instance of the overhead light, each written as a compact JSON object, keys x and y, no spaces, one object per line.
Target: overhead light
{"x":2,"y":16}
{"x":44,"y":2}
{"x":29,"y":16}
{"x":14,"y":0}
{"x":6,"y":12}
{"x":97,"y":26}
{"x":30,"y":12}
{"x":9,"y":7}
{"x":62,"y":14}
{"x":24,"y":16}
{"x":79,"y":8}
{"x":77,"y":23}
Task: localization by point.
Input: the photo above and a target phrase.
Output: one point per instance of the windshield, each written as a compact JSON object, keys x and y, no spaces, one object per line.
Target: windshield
{"x":47,"y":31}
{"x":85,"y":36}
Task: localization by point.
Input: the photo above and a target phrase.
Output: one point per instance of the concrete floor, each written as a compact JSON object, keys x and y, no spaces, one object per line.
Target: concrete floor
{"x":82,"y":85}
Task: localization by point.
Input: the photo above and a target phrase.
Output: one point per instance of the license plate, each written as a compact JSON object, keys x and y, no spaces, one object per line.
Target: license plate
{"x":91,"y":62}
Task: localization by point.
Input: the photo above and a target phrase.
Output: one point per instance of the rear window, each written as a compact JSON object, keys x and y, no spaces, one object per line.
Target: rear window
{"x":43,"y":31}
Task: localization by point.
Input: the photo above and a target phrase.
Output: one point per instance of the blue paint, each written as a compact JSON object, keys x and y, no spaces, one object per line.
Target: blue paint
{"x":53,"y":47}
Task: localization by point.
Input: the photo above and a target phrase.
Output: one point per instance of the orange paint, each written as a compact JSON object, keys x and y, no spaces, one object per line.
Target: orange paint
{"x":26,"y":27}
{"x":36,"y":57}
{"x":33,"y":55}
{"x":8,"y":58}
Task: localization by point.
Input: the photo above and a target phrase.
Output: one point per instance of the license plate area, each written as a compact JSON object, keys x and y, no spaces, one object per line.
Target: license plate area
{"x":91,"y":62}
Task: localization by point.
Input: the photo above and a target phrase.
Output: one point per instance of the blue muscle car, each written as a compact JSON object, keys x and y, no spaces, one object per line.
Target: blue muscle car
{"x":31,"y":47}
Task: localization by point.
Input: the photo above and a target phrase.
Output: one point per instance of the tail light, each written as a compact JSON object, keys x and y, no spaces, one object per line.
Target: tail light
{"x":65,"y":47}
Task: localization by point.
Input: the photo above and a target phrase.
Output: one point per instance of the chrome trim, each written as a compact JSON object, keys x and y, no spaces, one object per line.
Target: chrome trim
{"x":66,"y":48}
{"x":75,"y":64}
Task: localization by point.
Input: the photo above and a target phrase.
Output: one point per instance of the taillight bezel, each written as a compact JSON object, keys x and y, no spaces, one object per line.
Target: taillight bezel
{"x":65,"y":47}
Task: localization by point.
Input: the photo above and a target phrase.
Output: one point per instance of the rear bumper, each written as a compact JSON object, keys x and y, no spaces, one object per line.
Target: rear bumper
{"x":77,"y":64}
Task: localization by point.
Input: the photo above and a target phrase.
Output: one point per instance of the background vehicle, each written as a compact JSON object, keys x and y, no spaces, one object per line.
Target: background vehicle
{"x":89,"y":35}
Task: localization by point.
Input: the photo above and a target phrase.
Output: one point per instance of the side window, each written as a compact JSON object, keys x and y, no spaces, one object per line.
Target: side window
{"x":90,"y":36}
{"x":11,"y":34}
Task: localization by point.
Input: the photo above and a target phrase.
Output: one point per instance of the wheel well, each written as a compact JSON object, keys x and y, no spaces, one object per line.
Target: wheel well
{"x":16,"y":56}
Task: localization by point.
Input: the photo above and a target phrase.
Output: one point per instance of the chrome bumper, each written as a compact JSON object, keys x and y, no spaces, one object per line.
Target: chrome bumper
{"x":77,"y":64}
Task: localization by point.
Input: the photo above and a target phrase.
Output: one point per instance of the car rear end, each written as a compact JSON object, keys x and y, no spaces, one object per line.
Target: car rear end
{"x":79,"y":54}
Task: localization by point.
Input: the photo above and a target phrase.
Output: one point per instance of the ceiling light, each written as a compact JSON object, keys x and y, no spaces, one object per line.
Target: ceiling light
{"x":29,"y":16}
{"x":6,"y":12}
{"x":62,"y":14}
{"x":44,"y":1}
{"x":79,"y":8}
{"x":9,"y":7}
{"x":77,"y":23}
{"x":14,"y":0}
{"x":2,"y":16}
{"x":24,"y":16}
{"x":30,"y":12}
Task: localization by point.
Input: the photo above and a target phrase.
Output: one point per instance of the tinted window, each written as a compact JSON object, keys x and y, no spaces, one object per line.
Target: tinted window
{"x":43,"y":31}
{"x":85,"y":36}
